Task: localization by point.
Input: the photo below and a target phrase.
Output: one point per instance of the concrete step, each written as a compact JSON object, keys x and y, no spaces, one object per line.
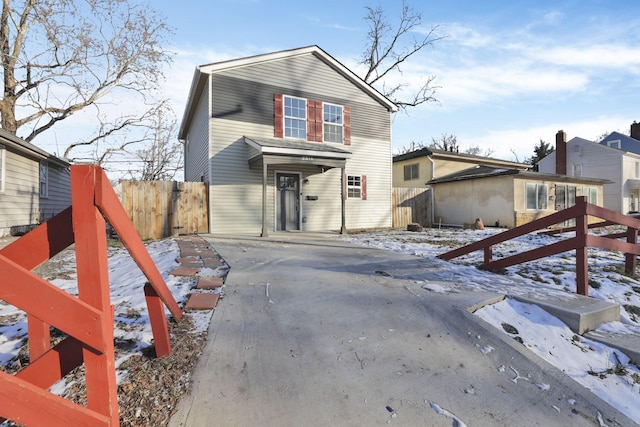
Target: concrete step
{"x":580,"y":313}
{"x":629,"y":343}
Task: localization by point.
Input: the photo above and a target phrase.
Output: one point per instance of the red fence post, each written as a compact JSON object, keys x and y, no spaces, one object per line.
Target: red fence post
{"x":93,"y":288}
{"x":488,"y":256}
{"x":630,"y":259}
{"x":582,"y":267}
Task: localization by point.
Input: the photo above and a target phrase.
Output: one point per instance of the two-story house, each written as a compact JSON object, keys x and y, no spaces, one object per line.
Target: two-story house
{"x":623,"y":142}
{"x":582,"y":158}
{"x":291,"y":140}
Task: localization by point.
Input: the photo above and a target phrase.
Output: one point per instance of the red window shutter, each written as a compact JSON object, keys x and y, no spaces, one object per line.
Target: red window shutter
{"x":278,"y":110}
{"x":347,"y":125}
{"x":364,"y":187}
{"x":311,"y":120}
{"x":319,"y":121}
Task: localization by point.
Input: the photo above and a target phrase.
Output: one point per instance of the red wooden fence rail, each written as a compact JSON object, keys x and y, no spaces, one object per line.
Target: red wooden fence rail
{"x":87,"y":320}
{"x":581,"y":241}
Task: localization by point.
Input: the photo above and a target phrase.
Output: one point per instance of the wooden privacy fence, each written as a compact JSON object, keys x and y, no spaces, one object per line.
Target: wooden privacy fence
{"x":160,"y":209}
{"x":87,"y":320}
{"x":581,"y":241}
{"x":411,"y":205}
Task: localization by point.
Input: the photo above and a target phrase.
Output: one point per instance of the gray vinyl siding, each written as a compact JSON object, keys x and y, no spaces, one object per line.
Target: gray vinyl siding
{"x":59,"y":197}
{"x":235,"y":192}
{"x":19,"y":202}
{"x":238,"y":97}
{"x":371,"y":158}
{"x":599,"y":162}
{"x":244,"y":107}
{"x":196,"y":155}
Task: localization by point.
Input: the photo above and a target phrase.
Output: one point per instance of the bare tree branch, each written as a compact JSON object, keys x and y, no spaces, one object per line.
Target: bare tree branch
{"x":386,"y":50}
{"x":59,"y":57}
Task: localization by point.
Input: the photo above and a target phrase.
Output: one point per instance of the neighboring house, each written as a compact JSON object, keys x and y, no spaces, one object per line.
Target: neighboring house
{"x":506,"y":197}
{"x":624,"y":142}
{"x":415,"y":168}
{"x":582,"y":158}
{"x":34,"y":185}
{"x":290,"y":140}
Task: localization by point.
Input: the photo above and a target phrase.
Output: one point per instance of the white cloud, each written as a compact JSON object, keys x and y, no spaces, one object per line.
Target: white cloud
{"x":519,"y":142}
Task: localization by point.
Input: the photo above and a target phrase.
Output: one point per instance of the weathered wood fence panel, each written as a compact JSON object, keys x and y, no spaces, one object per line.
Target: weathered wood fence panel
{"x":165,"y":208}
{"x":411,"y":205}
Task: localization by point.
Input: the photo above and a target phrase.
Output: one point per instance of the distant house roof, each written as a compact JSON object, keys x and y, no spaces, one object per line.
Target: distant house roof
{"x":626,"y":142}
{"x":484,"y":171}
{"x":203,"y":71}
{"x":22,"y":146}
{"x":444,"y":154}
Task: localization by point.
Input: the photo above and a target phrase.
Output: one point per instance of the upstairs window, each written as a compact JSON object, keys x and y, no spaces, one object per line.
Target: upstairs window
{"x":295,"y":117}
{"x":537,"y":195}
{"x":411,"y":171}
{"x":44,"y":180}
{"x":311,"y":120}
{"x":333,"y":120}
{"x":614,"y":144}
{"x":577,"y":169}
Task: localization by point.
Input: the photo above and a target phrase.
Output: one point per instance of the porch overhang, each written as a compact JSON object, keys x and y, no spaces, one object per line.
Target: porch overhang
{"x":633,"y":184}
{"x":271,"y":151}
{"x":276,"y":151}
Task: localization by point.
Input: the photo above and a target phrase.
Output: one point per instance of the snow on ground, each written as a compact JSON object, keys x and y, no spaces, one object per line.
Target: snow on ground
{"x":603,"y":370}
{"x":132,"y":327}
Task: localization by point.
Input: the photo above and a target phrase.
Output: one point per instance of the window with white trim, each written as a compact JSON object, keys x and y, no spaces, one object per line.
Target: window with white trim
{"x":333,"y":121}
{"x":591,"y":193}
{"x":295,"y":117}
{"x":412,"y":171}
{"x":614,"y":144}
{"x":577,"y":169}
{"x":537,"y":196}
{"x":44,"y":180}
{"x":2,"y":168}
{"x":354,"y":187}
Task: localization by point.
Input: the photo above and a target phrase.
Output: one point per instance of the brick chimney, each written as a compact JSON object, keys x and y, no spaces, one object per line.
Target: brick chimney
{"x":561,"y":153}
{"x":635,"y":130}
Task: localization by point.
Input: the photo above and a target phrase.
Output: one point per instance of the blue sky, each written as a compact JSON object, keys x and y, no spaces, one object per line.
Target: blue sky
{"x":511,"y":73}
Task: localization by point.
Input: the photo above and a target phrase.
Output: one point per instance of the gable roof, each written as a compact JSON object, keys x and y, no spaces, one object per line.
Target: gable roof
{"x":485,"y":171}
{"x":444,"y":154}
{"x":28,"y":149}
{"x":626,"y":142}
{"x":203,"y":71}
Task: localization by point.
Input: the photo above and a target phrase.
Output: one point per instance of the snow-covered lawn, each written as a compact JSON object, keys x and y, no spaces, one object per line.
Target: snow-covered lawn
{"x":605,"y":371}
{"x":132,"y":329}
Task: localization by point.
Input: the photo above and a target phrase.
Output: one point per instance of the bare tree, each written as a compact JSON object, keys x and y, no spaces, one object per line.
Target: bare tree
{"x":162,"y":158}
{"x":476,"y":150}
{"x":59,"y":57}
{"x":388,"y":47}
{"x":446,"y":142}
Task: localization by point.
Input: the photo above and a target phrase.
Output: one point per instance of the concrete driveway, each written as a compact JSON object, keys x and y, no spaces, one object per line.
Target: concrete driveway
{"x":318,"y":332}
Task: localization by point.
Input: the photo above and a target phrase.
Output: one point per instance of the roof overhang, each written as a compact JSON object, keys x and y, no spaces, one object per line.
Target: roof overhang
{"x":8,"y":139}
{"x":276,"y":151}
